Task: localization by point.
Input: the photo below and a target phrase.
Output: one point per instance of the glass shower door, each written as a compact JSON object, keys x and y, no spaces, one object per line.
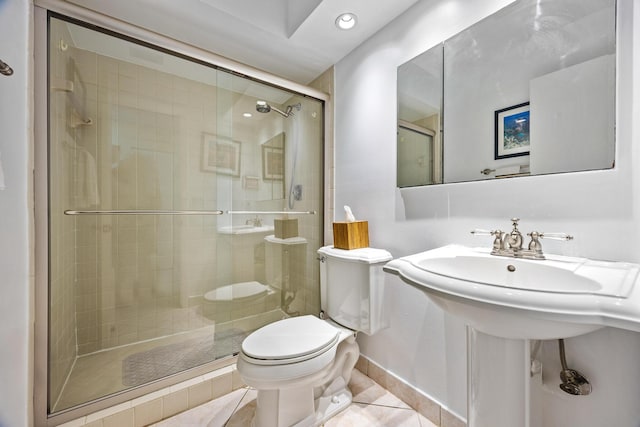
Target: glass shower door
{"x":167,"y":189}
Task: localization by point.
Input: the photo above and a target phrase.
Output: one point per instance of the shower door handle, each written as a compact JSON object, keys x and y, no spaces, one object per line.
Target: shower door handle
{"x":271,"y":212}
{"x":142,"y":212}
{"x":182,"y":212}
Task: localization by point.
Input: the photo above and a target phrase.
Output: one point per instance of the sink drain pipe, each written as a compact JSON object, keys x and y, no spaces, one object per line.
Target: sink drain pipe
{"x":573,"y":382}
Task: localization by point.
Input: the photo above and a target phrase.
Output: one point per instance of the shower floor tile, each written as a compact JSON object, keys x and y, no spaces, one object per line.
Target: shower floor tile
{"x":105,"y":372}
{"x":100,"y":374}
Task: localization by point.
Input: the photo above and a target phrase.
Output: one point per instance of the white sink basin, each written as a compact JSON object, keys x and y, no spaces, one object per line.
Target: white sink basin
{"x":245,"y":229}
{"x":526,"y":299}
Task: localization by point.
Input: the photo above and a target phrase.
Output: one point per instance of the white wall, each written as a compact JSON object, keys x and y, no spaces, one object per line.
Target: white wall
{"x":424,"y":346}
{"x":15,"y":215}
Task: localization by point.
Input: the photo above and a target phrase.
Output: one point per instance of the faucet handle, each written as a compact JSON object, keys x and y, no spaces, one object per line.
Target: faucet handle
{"x":482,"y":232}
{"x":556,"y":236}
{"x":534,"y":244}
{"x":536,"y":247}
{"x":497,"y":242}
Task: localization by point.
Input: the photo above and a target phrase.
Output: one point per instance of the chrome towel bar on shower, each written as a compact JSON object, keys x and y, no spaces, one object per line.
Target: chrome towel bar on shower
{"x":142,"y":212}
{"x":271,"y":212}
{"x":182,"y":212}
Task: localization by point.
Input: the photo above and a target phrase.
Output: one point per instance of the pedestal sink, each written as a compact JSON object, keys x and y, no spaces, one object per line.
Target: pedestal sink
{"x":506,"y":302}
{"x":558,"y":297}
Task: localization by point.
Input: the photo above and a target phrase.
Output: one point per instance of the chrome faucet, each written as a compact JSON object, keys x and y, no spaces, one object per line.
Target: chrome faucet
{"x":257,"y":221}
{"x":513,"y":240}
{"x":510,"y":244}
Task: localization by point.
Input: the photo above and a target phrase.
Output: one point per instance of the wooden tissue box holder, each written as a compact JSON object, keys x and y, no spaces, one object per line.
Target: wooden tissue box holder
{"x":351,"y":235}
{"x":285,"y":228}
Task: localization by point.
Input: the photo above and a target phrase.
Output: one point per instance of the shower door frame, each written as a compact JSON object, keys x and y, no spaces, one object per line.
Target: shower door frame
{"x":42,"y":10}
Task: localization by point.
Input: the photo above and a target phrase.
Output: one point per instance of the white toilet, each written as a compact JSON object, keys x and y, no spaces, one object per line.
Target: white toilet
{"x":301,"y":366}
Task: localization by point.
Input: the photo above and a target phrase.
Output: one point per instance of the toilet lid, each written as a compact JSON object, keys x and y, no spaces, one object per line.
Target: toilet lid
{"x":294,"y":339}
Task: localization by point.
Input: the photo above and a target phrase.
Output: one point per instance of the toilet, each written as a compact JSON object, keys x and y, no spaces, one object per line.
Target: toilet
{"x":300,"y":366}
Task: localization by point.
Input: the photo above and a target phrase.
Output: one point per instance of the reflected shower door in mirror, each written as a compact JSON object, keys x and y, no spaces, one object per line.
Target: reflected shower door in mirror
{"x":419,"y":157}
{"x":144,"y":285}
{"x":529,"y":90}
{"x":417,"y":154}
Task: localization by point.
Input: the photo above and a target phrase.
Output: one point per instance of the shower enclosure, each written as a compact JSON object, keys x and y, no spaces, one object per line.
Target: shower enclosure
{"x":169,"y":186}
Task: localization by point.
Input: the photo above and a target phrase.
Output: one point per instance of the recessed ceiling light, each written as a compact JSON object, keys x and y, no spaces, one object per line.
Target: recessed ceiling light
{"x":346,"y":21}
{"x":247,"y":115}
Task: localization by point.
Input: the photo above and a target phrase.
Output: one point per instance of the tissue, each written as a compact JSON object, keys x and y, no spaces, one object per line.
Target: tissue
{"x":348,"y":214}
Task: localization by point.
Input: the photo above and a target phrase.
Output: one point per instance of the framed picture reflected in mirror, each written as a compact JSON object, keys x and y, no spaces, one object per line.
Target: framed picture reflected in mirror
{"x":272,"y":163}
{"x":220,"y":155}
{"x":512,"y":131}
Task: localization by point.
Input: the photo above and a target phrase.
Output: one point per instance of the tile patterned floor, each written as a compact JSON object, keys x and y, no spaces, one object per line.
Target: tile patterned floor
{"x":372,"y":406}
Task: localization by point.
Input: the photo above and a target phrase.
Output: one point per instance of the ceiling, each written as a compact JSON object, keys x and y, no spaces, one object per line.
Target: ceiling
{"x":295,"y":39}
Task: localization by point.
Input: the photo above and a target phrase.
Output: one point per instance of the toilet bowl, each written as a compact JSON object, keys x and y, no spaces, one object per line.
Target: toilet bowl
{"x":308,"y":373}
{"x":301,"y":366}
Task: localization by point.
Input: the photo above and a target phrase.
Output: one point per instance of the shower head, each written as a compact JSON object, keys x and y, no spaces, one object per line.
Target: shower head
{"x":264,"y":107}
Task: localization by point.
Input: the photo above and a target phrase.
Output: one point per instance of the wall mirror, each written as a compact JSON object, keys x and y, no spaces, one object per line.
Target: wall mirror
{"x":528,"y":90}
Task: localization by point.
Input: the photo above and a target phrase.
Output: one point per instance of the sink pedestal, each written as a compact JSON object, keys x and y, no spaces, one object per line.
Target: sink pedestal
{"x":519,"y":300}
{"x":498,"y":381}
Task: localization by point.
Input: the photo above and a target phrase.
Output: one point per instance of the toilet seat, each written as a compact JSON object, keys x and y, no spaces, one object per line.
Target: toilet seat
{"x":291,"y":340}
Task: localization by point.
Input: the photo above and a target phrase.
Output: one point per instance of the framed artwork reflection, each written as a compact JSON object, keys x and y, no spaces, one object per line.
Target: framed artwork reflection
{"x":220,"y":155}
{"x":512,"y":131}
{"x":272,"y":163}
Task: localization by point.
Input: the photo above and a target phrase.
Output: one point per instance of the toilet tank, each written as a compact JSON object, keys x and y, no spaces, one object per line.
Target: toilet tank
{"x":352,"y":287}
